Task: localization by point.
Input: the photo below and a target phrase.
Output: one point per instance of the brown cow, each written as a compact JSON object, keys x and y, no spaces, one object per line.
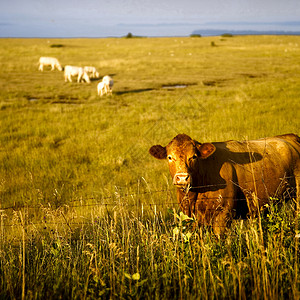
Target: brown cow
{"x":218,"y":181}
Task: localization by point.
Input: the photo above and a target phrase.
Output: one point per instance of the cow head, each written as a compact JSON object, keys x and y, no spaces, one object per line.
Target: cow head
{"x":183,"y":155}
{"x":59,"y":67}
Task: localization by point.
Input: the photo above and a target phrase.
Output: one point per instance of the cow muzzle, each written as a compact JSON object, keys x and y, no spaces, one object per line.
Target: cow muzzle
{"x":182,"y":180}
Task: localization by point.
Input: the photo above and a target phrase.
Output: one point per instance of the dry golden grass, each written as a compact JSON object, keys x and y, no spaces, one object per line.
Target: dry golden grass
{"x":99,"y":214}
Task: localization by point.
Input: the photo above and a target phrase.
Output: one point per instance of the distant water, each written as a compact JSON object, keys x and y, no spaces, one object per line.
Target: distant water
{"x":63,"y":29}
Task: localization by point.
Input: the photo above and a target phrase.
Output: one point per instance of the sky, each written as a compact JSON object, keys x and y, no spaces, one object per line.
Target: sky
{"x":98,"y":18}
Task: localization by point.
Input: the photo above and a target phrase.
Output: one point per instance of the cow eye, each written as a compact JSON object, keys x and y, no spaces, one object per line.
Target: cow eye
{"x":169,"y":157}
{"x":194,"y":156}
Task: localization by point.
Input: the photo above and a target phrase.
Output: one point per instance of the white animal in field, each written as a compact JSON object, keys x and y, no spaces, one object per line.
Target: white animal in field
{"x":49,"y":61}
{"x":76,"y":71}
{"x":91,"y":71}
{"x":108,"y":84}
{"x":100,"y":88}
{"x":105,"y":86}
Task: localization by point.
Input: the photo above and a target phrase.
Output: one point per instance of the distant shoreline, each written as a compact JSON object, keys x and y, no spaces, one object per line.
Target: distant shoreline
{"x":199,"y":32}
{"x":217,"y":32}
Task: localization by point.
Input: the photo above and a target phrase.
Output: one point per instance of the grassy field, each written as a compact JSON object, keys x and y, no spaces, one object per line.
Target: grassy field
{"x":86,"y":212}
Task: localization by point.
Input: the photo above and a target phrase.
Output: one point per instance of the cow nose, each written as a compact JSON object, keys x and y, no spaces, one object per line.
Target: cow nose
{"x":181,"y":179}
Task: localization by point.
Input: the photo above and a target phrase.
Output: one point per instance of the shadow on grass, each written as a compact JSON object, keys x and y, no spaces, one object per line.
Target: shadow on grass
{"x":163,"y":86}
{"x":133,"y":91}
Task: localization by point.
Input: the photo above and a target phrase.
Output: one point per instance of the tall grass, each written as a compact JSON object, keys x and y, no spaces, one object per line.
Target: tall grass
{"x":85,"y":212}
{"x":119,"y":253}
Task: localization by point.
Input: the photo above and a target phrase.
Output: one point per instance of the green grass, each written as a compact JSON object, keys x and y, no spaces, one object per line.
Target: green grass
{"x":99,"y":213}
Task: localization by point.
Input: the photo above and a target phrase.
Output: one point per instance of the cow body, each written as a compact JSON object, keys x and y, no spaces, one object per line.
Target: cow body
{"x":49,"y":61}
{"x":105,"y":86}
{"x":76,"y":71}
{"x":218,"y":181}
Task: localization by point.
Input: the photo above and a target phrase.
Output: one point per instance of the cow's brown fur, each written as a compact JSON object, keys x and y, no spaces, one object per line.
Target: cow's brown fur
{"x":218,"y":181}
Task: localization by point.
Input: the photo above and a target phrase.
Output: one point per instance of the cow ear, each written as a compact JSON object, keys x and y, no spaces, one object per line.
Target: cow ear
{"x":206,"y":149}
{"x":158,"y":151}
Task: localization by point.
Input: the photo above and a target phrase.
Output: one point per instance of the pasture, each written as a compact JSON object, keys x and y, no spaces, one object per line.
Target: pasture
{"x":87,"y":213}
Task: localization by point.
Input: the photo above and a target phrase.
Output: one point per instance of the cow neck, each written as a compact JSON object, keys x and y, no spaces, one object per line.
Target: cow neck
{"x":209,"y":173}
{"x":204,"y":176}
